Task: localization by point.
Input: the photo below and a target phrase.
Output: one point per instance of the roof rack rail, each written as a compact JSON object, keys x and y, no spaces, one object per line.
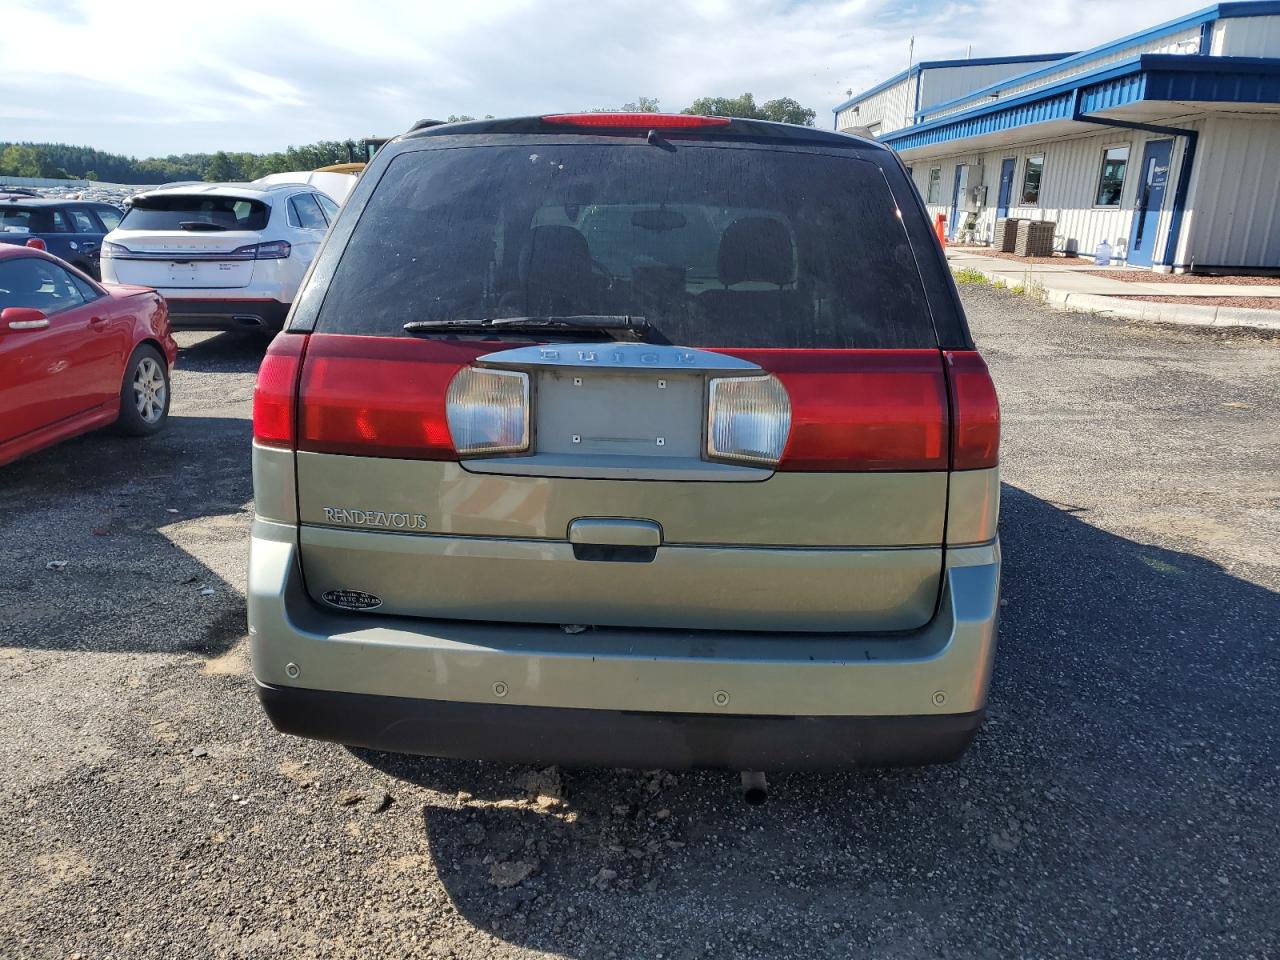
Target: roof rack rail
{"x":423,"y":124}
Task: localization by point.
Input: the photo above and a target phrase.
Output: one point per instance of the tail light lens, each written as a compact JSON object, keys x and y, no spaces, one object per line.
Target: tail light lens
{"x":275,"y":393}
{"x":975,"y":412}
{"x":488,"y":411}
{"x":275,"y":250}
{"x":861,"y":410}
{"x":115,"y":250}
{"x":748,"y":419}
{"x":35,"y":243}
{"x":380,"y":396}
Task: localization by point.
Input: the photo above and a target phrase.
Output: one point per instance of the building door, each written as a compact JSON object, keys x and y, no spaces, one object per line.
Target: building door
{"x":1006,"y":186}
{"x":955,"y":201}
{"x":1146,"y":215}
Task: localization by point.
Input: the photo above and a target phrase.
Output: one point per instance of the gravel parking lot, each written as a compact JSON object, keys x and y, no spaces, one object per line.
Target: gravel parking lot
{"x":1123,"y":799}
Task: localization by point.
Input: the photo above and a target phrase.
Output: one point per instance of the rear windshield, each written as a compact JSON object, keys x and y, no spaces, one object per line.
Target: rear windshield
{"x":195,"y":212}
{"x":715,"y":246}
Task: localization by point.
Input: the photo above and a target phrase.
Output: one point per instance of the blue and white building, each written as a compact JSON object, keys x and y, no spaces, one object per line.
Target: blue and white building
{"x":1165,"y":143}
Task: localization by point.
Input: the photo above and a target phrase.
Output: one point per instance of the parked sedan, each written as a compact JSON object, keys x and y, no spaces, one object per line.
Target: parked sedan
{"x":76,"y":355}
{"x":70,"y":229}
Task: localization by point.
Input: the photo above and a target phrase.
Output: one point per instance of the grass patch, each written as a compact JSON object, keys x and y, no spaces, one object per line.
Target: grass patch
{"x":971,"y":277}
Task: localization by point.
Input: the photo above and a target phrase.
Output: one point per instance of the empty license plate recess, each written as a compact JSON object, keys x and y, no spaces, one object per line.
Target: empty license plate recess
{"x":642,"y":413}
{"x":618,"y":410}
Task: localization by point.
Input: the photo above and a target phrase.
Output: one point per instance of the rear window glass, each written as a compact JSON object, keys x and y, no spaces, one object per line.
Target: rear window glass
{"x":195,"y":212}
{"x":715,"y":246}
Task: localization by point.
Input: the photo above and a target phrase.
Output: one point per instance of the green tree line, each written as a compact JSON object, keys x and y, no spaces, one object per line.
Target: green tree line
{"x":65,"y":161}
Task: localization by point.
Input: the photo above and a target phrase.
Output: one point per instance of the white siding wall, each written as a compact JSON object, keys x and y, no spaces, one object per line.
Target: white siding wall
{"x":892,"y":108}
{"x":1247,"y":37}
{"x":1233,"y":210}
{"x":1184,"y":41}
{"x":940,"y":84}
{"x":1067,"y":190}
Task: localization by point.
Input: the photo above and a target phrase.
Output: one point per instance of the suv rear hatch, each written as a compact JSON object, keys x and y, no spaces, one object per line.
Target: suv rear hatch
{"x":486,"y":428}
{"x":190,"y":241}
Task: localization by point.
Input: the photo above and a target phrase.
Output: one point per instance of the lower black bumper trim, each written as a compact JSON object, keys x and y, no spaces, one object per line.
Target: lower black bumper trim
{"x":613,"y":738}
{"x":266,"y":315}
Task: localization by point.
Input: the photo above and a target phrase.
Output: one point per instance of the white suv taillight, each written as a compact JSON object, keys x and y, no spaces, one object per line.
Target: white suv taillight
{"x":488,"y":411}
{"x":273,"y":250}
{"x":748,"y":419}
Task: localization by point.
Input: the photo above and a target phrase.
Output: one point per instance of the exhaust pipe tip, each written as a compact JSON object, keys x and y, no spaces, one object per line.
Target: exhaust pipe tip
{"x":755,"y":788}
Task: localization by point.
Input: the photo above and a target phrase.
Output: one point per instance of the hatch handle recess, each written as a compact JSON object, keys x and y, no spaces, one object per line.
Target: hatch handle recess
{"x":615,"y":532}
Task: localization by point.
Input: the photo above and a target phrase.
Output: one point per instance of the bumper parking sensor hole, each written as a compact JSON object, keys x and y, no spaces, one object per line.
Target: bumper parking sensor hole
{"x":720,"y":698}
{"x":292,"y":670}
{"x":500,"y":689}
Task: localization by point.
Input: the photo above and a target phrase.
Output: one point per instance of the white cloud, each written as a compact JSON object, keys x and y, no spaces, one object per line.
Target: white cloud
{"x":148,"y":77}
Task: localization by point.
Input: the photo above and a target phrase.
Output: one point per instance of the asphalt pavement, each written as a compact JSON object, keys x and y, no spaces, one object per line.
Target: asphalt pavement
{"x":1123,"y":799}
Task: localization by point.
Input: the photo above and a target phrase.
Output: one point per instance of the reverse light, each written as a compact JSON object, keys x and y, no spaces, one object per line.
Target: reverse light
{"x":488,"y":411}
{"x":275,"y":393}
{"x":748,"y":419}
{"x":636,"y":121}
{"x":273,"y":250}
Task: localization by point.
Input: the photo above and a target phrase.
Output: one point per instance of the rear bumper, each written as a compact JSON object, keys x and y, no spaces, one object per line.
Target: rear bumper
{"x":229,"y":314}
{"x":638,"y":697}
{"x":614,"y":738}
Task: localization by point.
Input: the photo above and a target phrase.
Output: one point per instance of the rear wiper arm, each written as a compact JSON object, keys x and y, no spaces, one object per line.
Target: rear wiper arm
{"x":634,"y":328}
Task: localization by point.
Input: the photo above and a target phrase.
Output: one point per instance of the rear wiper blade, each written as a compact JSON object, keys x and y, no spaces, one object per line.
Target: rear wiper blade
{"x":200,"y":225}
{"x":636,"y":328}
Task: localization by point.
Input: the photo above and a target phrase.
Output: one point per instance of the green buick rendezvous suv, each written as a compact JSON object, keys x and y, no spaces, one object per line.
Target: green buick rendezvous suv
{"x":628,"y":439}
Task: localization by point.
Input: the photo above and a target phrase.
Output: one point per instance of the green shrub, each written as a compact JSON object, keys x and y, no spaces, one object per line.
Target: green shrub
{"x":971,"y":277}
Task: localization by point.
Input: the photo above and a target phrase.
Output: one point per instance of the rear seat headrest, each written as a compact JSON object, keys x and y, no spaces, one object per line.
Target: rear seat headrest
{"x":756,"y":248}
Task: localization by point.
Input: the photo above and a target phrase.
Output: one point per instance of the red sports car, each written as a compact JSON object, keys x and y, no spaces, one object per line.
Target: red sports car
{"x":76,"y":355}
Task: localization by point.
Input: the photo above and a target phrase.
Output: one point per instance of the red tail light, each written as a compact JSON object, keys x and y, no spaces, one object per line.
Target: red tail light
{"x":636,"y":121}
{"x":975,"y":412}
{"x":867,"y":410}
{"x":275,"y":394}
{"x":380,"y":396}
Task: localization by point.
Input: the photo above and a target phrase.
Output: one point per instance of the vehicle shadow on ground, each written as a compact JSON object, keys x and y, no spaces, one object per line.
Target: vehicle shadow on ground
{"x":221,"y":353}
{"x":88,"y":540}
{"x":1135,"y":696}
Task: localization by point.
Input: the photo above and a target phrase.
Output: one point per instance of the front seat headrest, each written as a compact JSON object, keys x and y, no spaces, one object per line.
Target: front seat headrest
{"x":756,"y":248}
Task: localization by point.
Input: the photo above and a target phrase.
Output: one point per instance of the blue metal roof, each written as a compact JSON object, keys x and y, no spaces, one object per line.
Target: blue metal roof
{"x":915,"y":69}
{"x":1145,"y":77}
{"x":1220,"y":11}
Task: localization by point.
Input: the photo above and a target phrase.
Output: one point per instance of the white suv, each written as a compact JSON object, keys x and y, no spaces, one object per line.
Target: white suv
{"x":224,"y":255}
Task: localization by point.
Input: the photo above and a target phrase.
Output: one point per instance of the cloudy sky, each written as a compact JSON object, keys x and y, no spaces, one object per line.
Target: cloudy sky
{"x":152,"y":78}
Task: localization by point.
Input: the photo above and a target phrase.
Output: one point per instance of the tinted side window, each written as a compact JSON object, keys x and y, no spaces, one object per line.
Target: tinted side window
{"x":714,"y":245}
{"x":87,"y":290}
{"x":306,"y":212}
{"x":109,"y":216}
{"x":35,"y":282}
{"x":330,"y":208}
{"x":82,"y":221}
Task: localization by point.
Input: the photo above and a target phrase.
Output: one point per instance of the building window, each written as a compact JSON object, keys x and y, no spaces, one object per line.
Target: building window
{"x":935,"y":184}
{"x":1031,"y":178}
{"x":1111,"y":181}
